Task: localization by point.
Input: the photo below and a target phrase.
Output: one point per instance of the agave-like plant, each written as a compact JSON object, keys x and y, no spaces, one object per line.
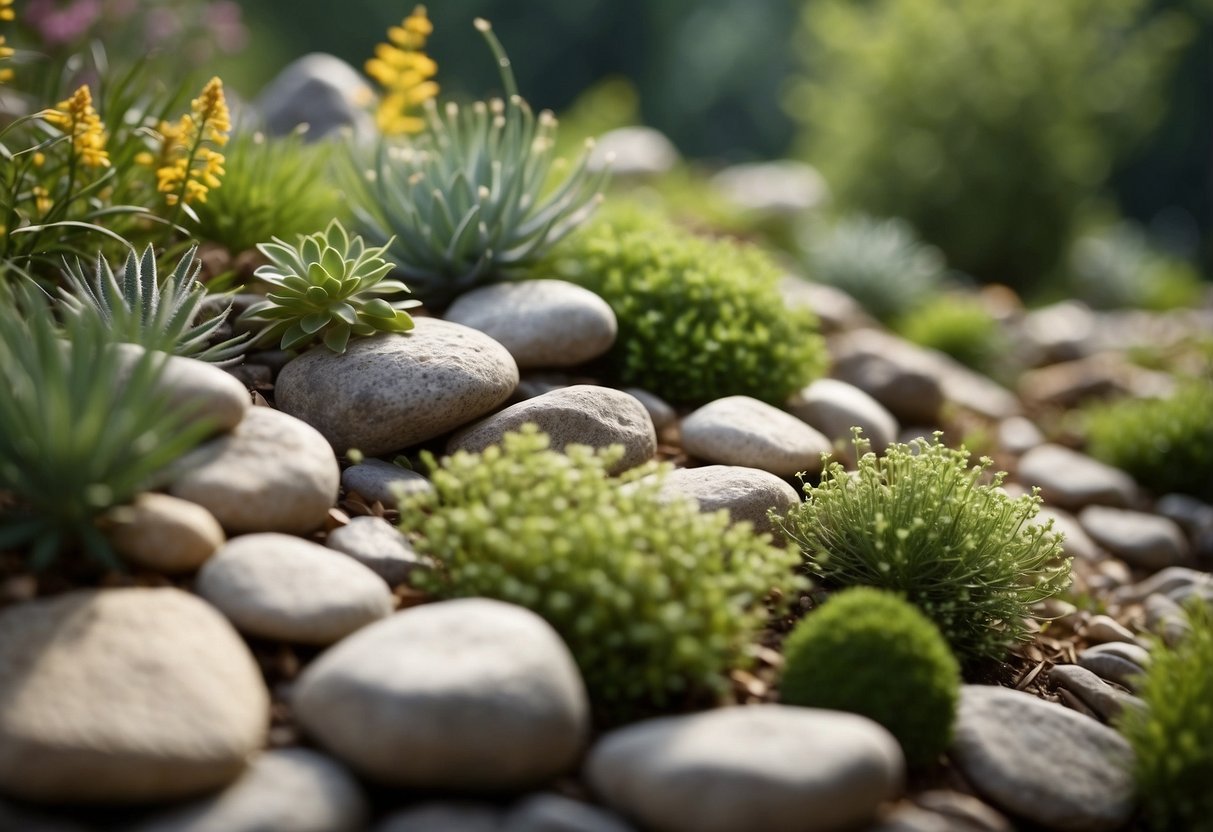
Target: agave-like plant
{"x":138,"y":308}
{"x":82,"y":429}
{"x":469,"y":201}
{"x":327,"y":288}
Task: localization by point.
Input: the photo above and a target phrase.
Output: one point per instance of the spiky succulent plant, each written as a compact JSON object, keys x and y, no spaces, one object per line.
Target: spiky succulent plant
{"x":468,"y":200}
{"x":327,"y":288}
{"x":137,"y":307}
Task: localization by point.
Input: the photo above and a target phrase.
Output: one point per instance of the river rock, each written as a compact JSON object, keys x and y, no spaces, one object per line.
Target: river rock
{"x":281,"y":587}
{"x":273,"y":473}
{"x":1103,"y":699}
{"x":393,"y":391}
{"x":739,"y":430}
{"x":1073,"y":480}
{"x":318,"y":90}
{"x":164,"y":533}
{"x":380,"y":547}
{"x":381,"y":481}
{"x":123,"y":696}
{"x":195,"y":389}
{"x":555,"y":813}
{"x":1144,"y":540}
{"x":834,"y":407}
{"x":770,"y":767}
{"x":543,"y":323}
{"x":746,"y":493}
{"x":637,"y":151}
{"x":472,"y":694}
{"x":583,"y":414}
{"x":1043,"y":762}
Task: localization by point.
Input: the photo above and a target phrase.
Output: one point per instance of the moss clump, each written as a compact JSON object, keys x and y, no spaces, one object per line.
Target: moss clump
{"x":699,"y":319}
{"x":1172,"y":737}
{"x":1165,"y":444}
{"x":872,"y":653}
{"x":959,"y":326}
{"x":920,"y":521}
{"x":656,"y":601}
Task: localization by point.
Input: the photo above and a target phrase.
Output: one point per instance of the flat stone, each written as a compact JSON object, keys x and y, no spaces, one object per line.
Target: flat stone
{"x":450,"y":816}
{"x":468,"y":694}
{"x":739,"y":430}
{"x":1106,"y":701}
{"x":282,"y":587}
{"x":196,"y":389}
{"x":770,"y":767}
{"x":1134,"y":653}
{"x":293,"y":789}
{"x":379,"y":481}
{"x":164,"y":533}
{"x":124,"y":696}
{"x":380,"y":547}
{"x":555,"y":813}
{"x":834,"y":407}
{"x":1164,"y":582}
{"x":273,"y":473}
{"x":1072,"y":480}
{"x":1043,"y":762}
{"x":583,"y":414}
{"x":1018,"y":435}
{"x":321,"y":91}
{"x":394,"y":391}
{"x":543,"y":323}
{"x":746,"y":493}
{"x":1144,"y":540}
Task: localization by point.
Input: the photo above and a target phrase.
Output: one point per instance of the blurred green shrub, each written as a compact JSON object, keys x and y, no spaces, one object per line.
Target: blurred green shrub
{"x":1116,"y":267}
{"x":960,"y":326}
{"x":987,"y":125}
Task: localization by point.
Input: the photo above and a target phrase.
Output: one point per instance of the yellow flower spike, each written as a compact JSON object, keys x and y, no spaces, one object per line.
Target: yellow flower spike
{"x":42,"y":199}
{"x":404,"y":72}
{"x":187,"y":165}
{"x":6,"y":10}
{"x":77,"y":118}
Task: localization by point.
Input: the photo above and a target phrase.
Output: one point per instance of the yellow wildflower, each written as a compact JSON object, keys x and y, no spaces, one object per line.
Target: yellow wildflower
{"x":405,"y":72}
{"x":39,"y":158}
{"x":6,"y":10}
{"x":6,"y":52}
{"x":77,"y":118}
{"x":188,"y":164}
{"x":42,"y":199}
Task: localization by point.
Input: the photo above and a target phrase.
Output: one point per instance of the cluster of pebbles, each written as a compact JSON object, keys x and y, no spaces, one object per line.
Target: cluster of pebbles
{"x":277,"y":671}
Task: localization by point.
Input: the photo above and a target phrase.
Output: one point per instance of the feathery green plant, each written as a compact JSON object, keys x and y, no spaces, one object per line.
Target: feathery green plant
{"x":1172,"y":737}
{"x":468,"y":199}
{"x":918,"y":520}
{"x":656,"y":601}
{"x":82,"y":427}
{"x":328,"y":287}
{"x":138,"y":308}
{"x":870,"y":652}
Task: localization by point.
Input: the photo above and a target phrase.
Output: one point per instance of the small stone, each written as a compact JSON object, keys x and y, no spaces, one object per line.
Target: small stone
{"x":1135,"y":653}
{"x":1146,"y":541}
{"x":834,"y":407}
{"x":554,"y":813}
{"x":746,"y":493}
{"x":543,"y":323}
{"x":1043,"y":762}
{"x":1164,"y":582}
{"x":281,"y":587}
{"x":1072,"y":480}
{"x":293,"y":789}
{"x":1077,"y":542}
{"x":1113,"y":667}
{"x":781,"y":188}
{"x":1071,"y":383}
{"x":583,"y":414}
{"x":963,"y":809}
{"x":446,"y":817}
{"x":1166,"y":618}
{"x":769,"y":767}
{"x":163,"y":533}
{"x":739,"y":430}
{"x":472,"y":694}
{"x":1190,"y":513}
{"x":123,"y":696}
{"x":898,"y":374}
{"x":1018,"y":435}
{"x":394,"y":391}
{"x":379,"y":481}
{"x":662,"y":414}
{"x":196,"y":389}
{"x":377,"y":545}
{"x":1059,"y":332}
{"x":321,"y":91}
{"x":1102,"y":629}
{"x":1092,"y":690}
{"x":273,"y":473}
{"x":836,"y":311}
{"x":634,"y":152}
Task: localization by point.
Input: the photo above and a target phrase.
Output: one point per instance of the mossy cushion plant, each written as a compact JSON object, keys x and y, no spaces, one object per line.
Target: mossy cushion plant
{"x":1164,"y":444}
{"x":1172,"y":737}
{"x":920,"y":521}
{"x":959,"y":326}
{"x":699,"y":319}
{"x":656,"y":601}
{"x":870,"y":652}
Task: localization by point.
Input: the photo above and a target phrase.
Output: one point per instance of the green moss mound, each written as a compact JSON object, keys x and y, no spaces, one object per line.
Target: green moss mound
{"x":870,"y":652}
{"x":656,"y":601}
{"x":1173,"y":736}
{"x":699,"y":319}
{"x":1164,"y":444}
{"x":959,"y":326}
{"x":924,"y":523}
